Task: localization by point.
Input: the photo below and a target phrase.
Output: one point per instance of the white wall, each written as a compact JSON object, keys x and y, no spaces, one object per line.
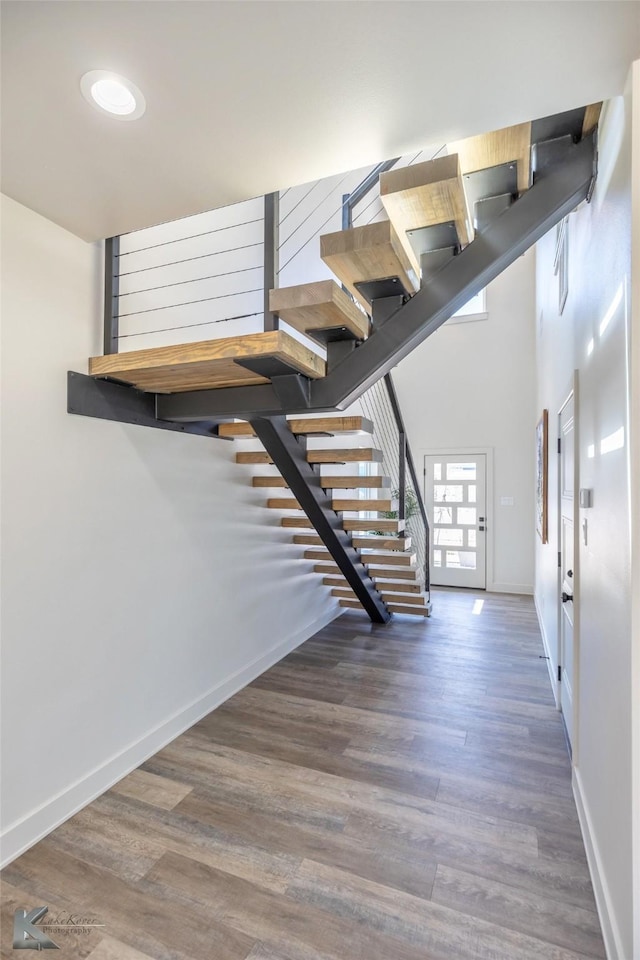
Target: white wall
{"x":143,"y":580}
{"x":472,"y":386}
{"x":591,"y":336}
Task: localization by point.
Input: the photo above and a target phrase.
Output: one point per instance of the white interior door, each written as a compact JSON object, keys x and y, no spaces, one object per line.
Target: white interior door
{"x":567,"y":564}
{"x":455,"y":488}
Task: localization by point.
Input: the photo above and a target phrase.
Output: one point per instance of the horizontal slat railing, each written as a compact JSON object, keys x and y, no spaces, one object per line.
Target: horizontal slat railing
{"x":198,"y":278}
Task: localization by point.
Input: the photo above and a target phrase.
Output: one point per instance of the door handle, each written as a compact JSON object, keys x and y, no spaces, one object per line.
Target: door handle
{"x":566,"y":597}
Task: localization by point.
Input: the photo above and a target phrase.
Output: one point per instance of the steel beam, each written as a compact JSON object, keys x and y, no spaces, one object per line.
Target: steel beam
{"x":555,"y":193}
{"x":107,"y":400}
{"x":289,"y":456}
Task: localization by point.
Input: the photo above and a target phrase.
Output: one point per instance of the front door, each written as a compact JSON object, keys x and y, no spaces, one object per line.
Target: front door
{"x":455,"y":488}
{"x":567,"y":562}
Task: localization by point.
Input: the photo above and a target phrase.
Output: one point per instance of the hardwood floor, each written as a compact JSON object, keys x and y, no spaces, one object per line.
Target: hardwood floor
{"x":394,"y":792}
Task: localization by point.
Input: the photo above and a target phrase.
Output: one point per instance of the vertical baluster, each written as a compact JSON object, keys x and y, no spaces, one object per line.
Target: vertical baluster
{"x":427,"y":554}
{"x":111,"y":292}
{"x":347,"y":211}
{"x":402,"y":475}
{"x":271,"y":240}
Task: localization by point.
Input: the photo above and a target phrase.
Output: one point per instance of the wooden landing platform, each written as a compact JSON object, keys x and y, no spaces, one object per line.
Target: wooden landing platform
{"x":210,"y":364}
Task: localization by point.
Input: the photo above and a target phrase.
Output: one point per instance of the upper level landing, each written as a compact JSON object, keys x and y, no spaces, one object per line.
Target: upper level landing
{"x":433,"y":212}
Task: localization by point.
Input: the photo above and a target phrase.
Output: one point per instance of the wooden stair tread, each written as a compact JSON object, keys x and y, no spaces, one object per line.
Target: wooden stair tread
{"x":329,"y":483}
{"x":401,"y":587}
{"x":208,"y":364}
{"x":363,"y":254}
{"x":591,"y":118}
{"x":400,"y":573}
{"x":340,"y":506}
{"x":355,"y":483}
{"x":382,"y":543}
{"x":415,"y":601}
{"x":508,"y":145}
{"x":355,"y":455}
{"x":373,"y":559}
{"x":275,"y":481}
{"x":350,"y":524}
{"x":356,"y":525}
{"x":321,"y":310}
{"x":370,"y":506}
{"x":253,"y":456}
{"x":425,"y":195}
{"x":321,"y":425}
{"x":283,"y":503}
{"x":392,"y":607}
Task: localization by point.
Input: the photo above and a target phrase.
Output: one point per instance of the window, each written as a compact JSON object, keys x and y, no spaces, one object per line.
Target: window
{"x":474,"y":309}
{"x":561,"y":262}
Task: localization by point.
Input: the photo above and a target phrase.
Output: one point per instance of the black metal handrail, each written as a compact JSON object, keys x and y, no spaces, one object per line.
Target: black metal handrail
{"x":350,"y":200}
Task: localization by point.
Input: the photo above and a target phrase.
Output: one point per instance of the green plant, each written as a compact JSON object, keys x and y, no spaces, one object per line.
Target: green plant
{"x":410,"y":508}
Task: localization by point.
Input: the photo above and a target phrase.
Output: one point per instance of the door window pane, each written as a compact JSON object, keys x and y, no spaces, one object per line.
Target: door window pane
{"x":471,"y":538}
{"x":437,"y":558}
{"x":443,"y":515}
{"x":461,"y":471}
{"x":448,"y":538}
{"x":446,"y":493}
{"x":437,"y":471}
{"x":466,"y":515}
{"x":471,"y":493}
{"x":461,"y":559}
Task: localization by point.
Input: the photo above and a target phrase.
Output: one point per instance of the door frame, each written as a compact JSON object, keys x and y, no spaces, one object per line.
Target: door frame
{"x":469,"y":452}
{"x":571,"y":391}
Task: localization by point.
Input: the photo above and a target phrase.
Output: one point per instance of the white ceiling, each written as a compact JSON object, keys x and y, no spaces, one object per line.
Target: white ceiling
{"x":246,"y":97}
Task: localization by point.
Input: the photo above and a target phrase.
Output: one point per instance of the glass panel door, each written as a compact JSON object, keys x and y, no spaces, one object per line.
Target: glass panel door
{"x":456,"y":505}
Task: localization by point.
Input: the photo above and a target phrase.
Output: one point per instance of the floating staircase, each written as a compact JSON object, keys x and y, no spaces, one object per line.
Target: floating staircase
{"x":452,"y":225}
{"x":436,"y":210}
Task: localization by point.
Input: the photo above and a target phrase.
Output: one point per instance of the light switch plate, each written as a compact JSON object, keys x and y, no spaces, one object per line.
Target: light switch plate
{"x":586,"y":498}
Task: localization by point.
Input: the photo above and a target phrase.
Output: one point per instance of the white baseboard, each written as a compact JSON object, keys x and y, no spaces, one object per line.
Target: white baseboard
{"x":552,"y":666}
{"x":27,"y":831}
{"x":525,"y":588}
{"x":610,"y":931}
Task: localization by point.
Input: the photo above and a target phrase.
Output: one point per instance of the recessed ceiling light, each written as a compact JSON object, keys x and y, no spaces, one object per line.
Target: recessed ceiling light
{"x":112,"y":94}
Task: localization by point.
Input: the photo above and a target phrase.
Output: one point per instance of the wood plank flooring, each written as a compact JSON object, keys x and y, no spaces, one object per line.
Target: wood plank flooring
{"x":395,"y":792}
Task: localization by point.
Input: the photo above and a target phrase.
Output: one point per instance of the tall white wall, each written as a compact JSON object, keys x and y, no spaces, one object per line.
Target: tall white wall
{"x":592,"y":337}
{"x":142,"y":579}
{"x":472,"y":386}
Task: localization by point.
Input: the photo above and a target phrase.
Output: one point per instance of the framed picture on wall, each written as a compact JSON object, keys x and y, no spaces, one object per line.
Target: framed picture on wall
{"x":542,"y":475}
